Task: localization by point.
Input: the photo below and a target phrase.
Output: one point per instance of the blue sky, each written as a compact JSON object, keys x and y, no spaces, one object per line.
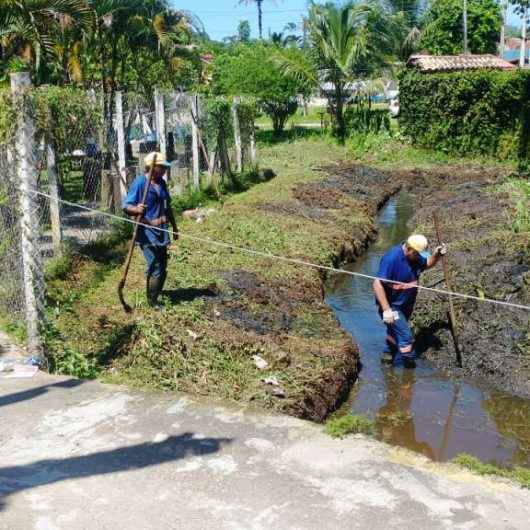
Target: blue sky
{"x":221,"y":17}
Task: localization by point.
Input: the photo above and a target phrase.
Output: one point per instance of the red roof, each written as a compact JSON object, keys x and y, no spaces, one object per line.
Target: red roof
{"x":449,"y":63}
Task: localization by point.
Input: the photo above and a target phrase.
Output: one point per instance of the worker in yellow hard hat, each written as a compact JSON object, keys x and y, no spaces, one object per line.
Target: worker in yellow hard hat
{"x":157,"y":213}
{"x":403,"y":263}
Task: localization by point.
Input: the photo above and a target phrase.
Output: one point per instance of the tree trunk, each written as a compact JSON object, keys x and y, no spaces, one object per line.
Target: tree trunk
{"x":341,"y":129}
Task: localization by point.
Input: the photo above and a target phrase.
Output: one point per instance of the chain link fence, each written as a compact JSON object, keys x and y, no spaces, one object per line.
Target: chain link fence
{"x":69,"y":155}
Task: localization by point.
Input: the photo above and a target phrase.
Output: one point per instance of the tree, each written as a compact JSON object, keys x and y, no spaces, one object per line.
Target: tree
{"x":251,"y":71}
{"x":259,"y":5}
{"x":346,"y":42}
{"x":243,"y":31}
{"x":28,"y":30}
{"x":408,"y":15}
{"x":443,"y":32}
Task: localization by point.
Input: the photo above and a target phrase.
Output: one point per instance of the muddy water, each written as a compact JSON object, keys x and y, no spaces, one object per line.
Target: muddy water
{"x":422,"y":409}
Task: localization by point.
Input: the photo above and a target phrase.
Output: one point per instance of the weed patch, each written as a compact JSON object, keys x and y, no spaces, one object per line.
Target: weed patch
{"x":518,"y":474}
{"x":349,"y":424}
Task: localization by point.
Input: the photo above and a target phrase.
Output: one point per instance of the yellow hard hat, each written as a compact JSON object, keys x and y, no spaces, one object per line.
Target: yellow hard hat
{"x":417,"y":242}
{"x":160,"y":159}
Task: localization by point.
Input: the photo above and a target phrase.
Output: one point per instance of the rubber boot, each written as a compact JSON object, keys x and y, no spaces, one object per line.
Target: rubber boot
{"x":389,"y":354}
{"x":409,"y":362}
{"x":387,"y":357}
{"x":153,"y":288}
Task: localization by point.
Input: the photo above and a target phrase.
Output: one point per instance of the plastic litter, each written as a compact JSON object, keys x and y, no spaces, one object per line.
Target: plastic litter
{"x":260,"y":363}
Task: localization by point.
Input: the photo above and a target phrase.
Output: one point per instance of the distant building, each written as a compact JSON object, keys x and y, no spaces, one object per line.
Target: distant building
{"x":512,"y":56}
{"x":455,"y":63}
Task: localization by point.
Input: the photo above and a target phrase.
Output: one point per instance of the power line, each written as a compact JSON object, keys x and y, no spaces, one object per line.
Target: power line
{"x":294,"y":261}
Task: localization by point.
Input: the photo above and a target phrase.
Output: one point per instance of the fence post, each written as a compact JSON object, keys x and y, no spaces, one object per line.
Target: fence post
{"x":122,"y":161}
{"x":160,"y":120}
{"x":195,"y":140}
{"x":253,"y":157}
{"x":237,"y":134}
{"x":26,"y":168}
{"x":55,"y":205}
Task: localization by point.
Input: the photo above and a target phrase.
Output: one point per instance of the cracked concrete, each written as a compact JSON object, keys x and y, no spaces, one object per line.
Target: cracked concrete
{"x":79,"y":455}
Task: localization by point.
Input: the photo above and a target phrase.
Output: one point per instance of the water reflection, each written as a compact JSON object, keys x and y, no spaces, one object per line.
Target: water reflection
{"x":394,"y":420}
{"x":423,"y":409}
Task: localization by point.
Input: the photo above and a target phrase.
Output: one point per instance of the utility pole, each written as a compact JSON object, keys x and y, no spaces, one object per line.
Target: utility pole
{"x":466,"y":51}
{"x":522,"y":56}
{"x":503,"y":29}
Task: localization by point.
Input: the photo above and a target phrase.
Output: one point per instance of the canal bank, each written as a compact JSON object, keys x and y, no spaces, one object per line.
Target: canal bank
{"x":437,"y":412}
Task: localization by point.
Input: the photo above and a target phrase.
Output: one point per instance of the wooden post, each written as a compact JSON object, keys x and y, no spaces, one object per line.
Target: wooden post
{"x":451,"y":314}
{"x":195,"y":140}
{"x":27,"y":178}
{"x":55,"y":205}
{"x":237,"y":134}
{"x":122,"y":161}
{"x":160,"y":120}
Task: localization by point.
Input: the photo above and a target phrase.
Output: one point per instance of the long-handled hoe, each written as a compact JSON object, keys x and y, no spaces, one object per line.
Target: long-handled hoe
{"x":126,"y":307}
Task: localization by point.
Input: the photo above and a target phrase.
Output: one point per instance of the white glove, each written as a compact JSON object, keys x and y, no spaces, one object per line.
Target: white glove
{"x":388,"y":316}
{"x":440,"y":250}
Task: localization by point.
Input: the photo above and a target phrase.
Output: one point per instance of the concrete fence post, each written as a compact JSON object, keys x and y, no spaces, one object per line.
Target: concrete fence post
{"x":55,"y":205}
{"x":237,"y":134}
{"x":253,"y":154}
{"x":122,"y":158}
{"x":160,"y":120}
{"x":195,"y":140}
{"x":26,"y":168}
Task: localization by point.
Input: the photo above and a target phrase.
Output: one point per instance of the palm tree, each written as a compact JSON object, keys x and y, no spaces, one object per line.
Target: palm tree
{"x":409,"y":13}
{"x":28,"y":29}
{"x":347,"y":42}
{"x":259,"y":4}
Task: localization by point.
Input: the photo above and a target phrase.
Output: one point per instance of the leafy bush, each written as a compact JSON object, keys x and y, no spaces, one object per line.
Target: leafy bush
{"x":250,"y":70}
{"x":349,"y":424}
{"x":365,"y":120}
{"x":478,"y":112}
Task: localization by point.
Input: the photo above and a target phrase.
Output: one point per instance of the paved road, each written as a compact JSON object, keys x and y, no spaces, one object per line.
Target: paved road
{"x":84,"y":455}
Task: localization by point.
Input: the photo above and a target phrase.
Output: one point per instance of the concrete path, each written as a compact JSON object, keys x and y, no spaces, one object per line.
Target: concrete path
{"x":84,"y":455}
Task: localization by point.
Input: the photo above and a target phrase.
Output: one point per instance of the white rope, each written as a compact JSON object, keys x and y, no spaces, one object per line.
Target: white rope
{"x":294,"y":261}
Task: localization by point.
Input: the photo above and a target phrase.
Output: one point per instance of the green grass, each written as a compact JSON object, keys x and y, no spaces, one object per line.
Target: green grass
{"x":339,"y":427}
{"x":520,"y":475}
{"x":150,"y":350}
{"x":519,"y":191}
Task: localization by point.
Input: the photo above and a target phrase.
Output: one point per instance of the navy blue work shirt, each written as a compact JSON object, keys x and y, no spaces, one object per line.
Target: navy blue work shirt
{"x":157,"y":204}
{"x":395,"y":266}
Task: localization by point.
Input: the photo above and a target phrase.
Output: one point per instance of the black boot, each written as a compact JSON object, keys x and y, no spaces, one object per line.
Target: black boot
{"x":387,"y":357}
{"x":153,"y":288}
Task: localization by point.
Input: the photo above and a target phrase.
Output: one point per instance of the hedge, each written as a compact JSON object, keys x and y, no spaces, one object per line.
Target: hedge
{"x":477,"y":112}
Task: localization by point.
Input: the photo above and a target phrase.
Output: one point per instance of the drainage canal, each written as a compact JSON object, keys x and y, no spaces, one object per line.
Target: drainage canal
{"x":423,"y":409}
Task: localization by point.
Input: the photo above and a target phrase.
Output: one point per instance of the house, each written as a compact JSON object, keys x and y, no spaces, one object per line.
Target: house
{"x":454,"y":63}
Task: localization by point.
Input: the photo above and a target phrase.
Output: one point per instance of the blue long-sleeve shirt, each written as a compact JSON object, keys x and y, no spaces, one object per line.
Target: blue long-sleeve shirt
{"x":157,"y":204}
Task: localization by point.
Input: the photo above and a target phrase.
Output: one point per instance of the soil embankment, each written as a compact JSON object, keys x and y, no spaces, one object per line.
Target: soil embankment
{"x":487,"y":259}
{"x":226,"y":308}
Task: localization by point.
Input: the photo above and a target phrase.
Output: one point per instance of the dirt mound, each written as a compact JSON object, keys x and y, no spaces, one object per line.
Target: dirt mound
{"x":487,"y":259}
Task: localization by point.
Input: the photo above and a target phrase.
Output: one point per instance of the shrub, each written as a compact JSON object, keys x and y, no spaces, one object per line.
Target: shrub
{"x":479,"y":112}
{"x":365,"y":120}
